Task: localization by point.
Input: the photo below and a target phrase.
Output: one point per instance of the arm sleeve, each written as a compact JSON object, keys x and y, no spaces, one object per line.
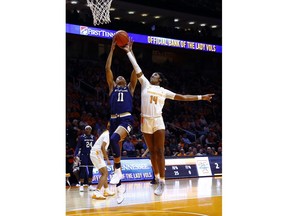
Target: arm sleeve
{"x":143,"y":81}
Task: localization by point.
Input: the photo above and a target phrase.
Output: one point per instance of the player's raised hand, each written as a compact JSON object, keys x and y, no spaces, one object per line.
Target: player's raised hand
{"x":130,"y":44}
{"x":128,"y":47}
{"x":207,"y":97}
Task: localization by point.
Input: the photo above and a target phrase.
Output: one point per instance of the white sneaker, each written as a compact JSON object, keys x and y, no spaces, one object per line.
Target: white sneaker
{"x":91,"y":188}
{"x":97,"y":195}
{"x":81,"y":188}
{"x":160,"y":189}
{"x":117,"y":176}
{"x":120,"y":193}
{"x":107,"y":192}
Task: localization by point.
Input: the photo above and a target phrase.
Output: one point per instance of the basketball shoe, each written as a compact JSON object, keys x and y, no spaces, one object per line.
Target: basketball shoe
{"x":97,"y":195}
{"x":160,"y":189}
{"x":117,"y":176}
{"x":107,"y":192}
{"x":91,"y":188}
{"x":120,"y":193}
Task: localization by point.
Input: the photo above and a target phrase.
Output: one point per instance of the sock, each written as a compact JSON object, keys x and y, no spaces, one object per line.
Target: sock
{"x":162,"y":180}
{"x":117,"y":165}
{"x":157,"y":176}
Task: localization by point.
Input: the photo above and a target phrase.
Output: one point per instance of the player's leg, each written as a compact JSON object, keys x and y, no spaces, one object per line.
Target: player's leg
{"x":119,"y":187}
{"x":90,"y":175}
{"x":153,"y":156}
{"x":107,"y":192}
{"x":99,"y":163}
{"x":120,"y":133}
{"x":147,"y":126}
{"x":159,"y":139}
{"x":82,"y":171}
{"x":116,"y":137}
{"x":97,"y":194}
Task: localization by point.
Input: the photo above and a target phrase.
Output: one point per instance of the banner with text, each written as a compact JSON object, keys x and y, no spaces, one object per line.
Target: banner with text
{"x":132,"y":169}
{"x":140,"y":169}
{"x":145,"y":39}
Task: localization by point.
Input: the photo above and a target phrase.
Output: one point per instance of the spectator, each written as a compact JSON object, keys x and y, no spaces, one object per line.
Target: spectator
{"x":200,"y":152}
{"x":124,"y":154}
{"x":190,"y":152}
{"x":209,"y":151}
{"x":128,"y":146}
{"x":219,"y":151}
{"x":167,"y":151}
{"x":181,"y":153}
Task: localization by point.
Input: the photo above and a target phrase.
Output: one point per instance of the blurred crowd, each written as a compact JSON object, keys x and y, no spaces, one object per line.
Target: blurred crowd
{"x":192,"y":128}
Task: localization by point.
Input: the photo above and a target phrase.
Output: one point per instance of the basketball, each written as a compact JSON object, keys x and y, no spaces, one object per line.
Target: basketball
{"x":121,"y":38}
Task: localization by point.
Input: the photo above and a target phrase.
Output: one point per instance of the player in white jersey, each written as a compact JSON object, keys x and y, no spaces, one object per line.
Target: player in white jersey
{"x":97,"y":155}
{"x":152,"y":125}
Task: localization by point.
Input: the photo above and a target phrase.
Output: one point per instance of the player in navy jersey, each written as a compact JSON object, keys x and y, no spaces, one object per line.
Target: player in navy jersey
{"x":121,"y":119}
{"x":84,"y":145}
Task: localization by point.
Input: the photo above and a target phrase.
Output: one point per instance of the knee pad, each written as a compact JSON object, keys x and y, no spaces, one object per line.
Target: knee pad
{"x":114,"y":145}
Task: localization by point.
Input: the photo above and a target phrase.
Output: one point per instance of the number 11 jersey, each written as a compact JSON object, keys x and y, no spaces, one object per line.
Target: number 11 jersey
{"x":121,"y":100}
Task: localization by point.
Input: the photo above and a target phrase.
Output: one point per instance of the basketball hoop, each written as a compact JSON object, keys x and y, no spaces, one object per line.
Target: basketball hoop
{"x":100,"y":10}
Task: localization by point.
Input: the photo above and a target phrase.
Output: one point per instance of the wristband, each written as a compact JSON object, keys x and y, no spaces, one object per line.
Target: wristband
{"x":199,"y":97}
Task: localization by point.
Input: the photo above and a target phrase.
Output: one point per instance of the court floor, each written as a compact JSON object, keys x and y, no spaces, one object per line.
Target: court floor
{"x":189,"y":196}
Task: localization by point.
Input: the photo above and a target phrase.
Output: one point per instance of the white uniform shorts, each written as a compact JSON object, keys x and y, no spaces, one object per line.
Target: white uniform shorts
{"x":150,"y":125}
{"x":97,"y":159}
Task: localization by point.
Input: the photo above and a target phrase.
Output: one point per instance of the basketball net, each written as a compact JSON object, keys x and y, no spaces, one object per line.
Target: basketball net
{"x":100,"y":10}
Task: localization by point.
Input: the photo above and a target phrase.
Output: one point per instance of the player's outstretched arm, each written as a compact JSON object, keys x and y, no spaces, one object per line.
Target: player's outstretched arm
{"x":109,"y":74}
{"x":130,"y":54}
{"x":206,"y":97}
{"x":133,"y":78}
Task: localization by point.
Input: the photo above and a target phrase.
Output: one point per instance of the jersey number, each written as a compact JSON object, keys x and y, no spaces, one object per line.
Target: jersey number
{"x":88,"y":144}
{"x":120,"y":97}
{"x":153,"y":98}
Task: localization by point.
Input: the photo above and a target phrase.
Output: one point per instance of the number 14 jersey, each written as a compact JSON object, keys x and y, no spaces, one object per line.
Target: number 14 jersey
{"x":153,"y":98}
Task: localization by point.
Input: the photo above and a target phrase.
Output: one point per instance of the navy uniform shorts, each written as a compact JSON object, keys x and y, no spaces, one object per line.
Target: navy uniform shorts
{"x":85,"y":159}
{"x":125,"y":122}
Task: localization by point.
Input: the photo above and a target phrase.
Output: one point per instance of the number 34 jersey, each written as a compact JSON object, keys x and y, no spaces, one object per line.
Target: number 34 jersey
{"x":153,"y":98}
{"x":121,"y":100}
